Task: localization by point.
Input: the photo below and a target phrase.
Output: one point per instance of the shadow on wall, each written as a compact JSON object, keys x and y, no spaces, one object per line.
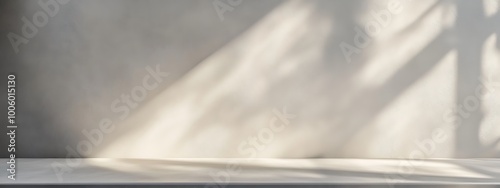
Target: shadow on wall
{"x":404,"y":91}
{"x":91,"y":53}
{"x":361,"y":79}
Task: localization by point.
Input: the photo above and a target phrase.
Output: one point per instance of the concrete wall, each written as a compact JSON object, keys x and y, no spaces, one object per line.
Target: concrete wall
{"x":363,"y":79}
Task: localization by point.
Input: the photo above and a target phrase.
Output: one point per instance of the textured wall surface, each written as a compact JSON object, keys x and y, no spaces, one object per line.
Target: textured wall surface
{"x":285,"y":79}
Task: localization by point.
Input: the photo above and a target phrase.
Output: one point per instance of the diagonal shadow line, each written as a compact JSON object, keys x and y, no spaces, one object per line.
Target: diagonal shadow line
{"x":252,"y":21}
{"x":339,"y":10}
{"x":420,"y":19}
{"x":130,"y":125}
{"x":231,"y":40}
{"x":412,"y":71}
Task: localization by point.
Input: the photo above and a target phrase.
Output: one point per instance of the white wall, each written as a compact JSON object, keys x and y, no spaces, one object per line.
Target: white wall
{"x":395,"y":98}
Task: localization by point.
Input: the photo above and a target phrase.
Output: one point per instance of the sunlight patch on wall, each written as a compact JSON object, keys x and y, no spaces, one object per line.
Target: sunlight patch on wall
{"x":416,"y":113}
{"x":490,"y":7}
{"x":392,"y":48}
{"x":221,"y":102}
{"x":489,"y":129}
